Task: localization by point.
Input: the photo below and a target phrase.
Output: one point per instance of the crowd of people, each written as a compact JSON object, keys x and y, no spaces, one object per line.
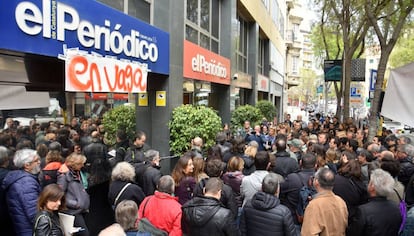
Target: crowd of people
{"x":320,"y":177}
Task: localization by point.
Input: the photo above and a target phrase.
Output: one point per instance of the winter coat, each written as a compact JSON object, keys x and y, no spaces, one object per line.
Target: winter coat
{"x":289,"y":190}
{"x":77,"y":199}
{"x":132,"y":192}
{"x":6,"y":224}
{"x":377,"y":217}
{"x":264,"y":215}
{"x":406,"y":171}
{"x":163,"y":211}
{"x":227,"y":196}
{"x":205,"y":216}
{"x":234,"y":179}
{"x":22,"y":190}
{"x":100,"y":213}
{"x":136,"y":154}
{"x":47,"y":224}
{"x":352,"y":191}
{"x":147,"y":177}
{"x":184,"y":191}
{"x":95,"y":150}
{"x":249,"y":166}
{"x":285,"y":164}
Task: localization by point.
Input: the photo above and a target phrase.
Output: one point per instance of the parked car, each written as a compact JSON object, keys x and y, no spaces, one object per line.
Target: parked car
{"x":396,"y":127}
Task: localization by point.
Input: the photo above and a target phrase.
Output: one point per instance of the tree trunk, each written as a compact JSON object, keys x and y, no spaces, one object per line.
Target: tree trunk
{"x":374,"y":114}
{"x":347,"y":84}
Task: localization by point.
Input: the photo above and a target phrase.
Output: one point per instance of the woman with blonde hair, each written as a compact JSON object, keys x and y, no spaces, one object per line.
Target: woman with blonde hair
{"x":71,"y":182}
{"x":51,"y":201}
{"x":183,"y":175}
{"x":248,"y":157}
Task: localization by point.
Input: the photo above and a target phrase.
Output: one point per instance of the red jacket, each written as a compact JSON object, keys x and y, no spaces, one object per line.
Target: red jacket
{"x":163,"y":211}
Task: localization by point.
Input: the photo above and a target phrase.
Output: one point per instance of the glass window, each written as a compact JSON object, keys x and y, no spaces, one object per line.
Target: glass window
{"x":191,"y":34}
{"x":204,"y":17}
{"x":215,"y":23}
{"x":204,"y":41}
{"x":295,"y":65}
{"x":261,"y":50}
{"x":140,"y":9}
{"x":192,"y":11}
{"x":241,"y":42}
{"x":117,"y":4}
{"x":214,"y":46}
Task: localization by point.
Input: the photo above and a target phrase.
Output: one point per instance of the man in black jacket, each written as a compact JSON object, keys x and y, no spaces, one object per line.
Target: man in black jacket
{"x":215,"y":168}
{"x":379,"y":216}
{"x":289,"y":189}
{"x":148,"y":173}
{"x":285,"y":164}
{"x":94,"y":150}
{"x":136,"y":153}
{"x":264,"y":215}
{"x":204,"y":216}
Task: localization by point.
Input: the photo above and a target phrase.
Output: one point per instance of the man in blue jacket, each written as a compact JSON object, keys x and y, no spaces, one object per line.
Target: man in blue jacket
{"x":22,"y":190}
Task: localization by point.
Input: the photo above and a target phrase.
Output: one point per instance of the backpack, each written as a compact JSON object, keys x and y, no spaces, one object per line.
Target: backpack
{"x":403,"y":211}
{"x":306,"y":194}
{"x":49,"y":174}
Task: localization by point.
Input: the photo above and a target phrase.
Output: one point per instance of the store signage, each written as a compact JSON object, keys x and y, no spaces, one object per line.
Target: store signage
{"x":45,"y":27}
{"x":202,"y":64}
{"x":92,"y":73}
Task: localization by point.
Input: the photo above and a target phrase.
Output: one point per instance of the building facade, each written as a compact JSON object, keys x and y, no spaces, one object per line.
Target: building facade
{"x":221,"y":53}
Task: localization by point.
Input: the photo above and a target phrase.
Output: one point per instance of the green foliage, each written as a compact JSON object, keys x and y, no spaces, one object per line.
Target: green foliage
{"x":403,"y":53}
{"x":243,"y":113}
{"x":267,"y":109}
{"x":189,"y":121}
{"x":120,"y":117}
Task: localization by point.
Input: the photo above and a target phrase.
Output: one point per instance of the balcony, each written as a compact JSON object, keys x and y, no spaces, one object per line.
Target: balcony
{"x":292,"y":40}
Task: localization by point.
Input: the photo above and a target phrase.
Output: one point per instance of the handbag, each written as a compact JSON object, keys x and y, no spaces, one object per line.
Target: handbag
{"x":145,"y":226}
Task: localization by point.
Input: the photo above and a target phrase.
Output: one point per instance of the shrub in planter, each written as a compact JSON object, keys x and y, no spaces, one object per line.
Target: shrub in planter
{"x":120,"y":117}
{"x":267,"y":109}
{"x":243,"y":113}
{"x":189,"y":121}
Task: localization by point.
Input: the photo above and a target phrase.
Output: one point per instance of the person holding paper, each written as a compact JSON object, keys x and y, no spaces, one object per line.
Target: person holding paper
{"x":77,"y":199}
{"x":51,"y":200}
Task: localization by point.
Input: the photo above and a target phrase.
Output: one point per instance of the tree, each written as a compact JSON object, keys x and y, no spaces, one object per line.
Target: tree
{"x":354,"y":26}
{"x":306,"y":90}
{"x":267,"y":109}
{"x":348,"y":18}
{"x":189,"y":121}
{"x":403,"y":52}
{"x":243,"y":113}
{"x":120,"y":117}
{"x":387,"y":18}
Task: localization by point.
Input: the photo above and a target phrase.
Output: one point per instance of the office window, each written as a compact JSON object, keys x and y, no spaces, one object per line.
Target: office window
{"x":295,"y":65}
{"x":241,"y":44}
{"x":202,"y":23}
{"x":140,"y":9}
{"x":261,"y":50}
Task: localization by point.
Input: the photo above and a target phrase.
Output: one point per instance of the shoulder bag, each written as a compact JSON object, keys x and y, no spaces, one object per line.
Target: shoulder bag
{"x":145,"y":226}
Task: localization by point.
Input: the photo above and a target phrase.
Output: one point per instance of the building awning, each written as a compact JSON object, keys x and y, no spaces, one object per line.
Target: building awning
{"x":16,"y":97}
